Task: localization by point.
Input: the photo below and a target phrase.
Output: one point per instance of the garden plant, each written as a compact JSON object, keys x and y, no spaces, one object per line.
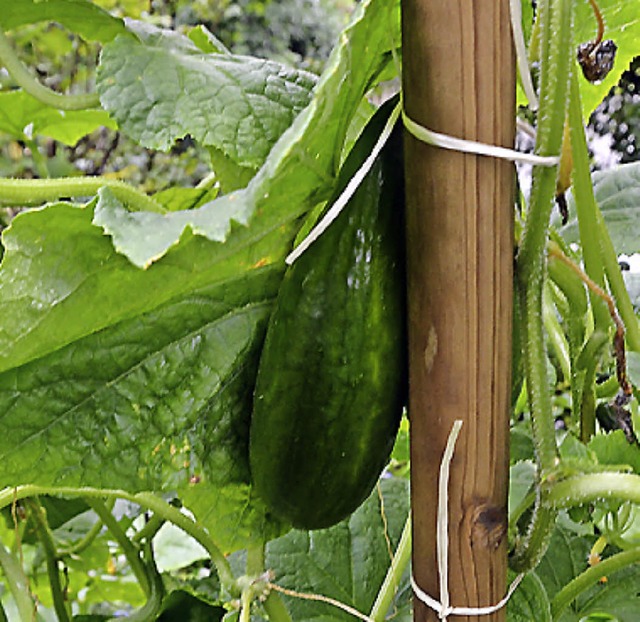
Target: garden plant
{"x":140,"y":475}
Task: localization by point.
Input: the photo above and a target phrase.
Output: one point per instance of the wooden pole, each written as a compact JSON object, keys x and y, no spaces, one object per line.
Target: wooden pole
{"x":459,"y":79}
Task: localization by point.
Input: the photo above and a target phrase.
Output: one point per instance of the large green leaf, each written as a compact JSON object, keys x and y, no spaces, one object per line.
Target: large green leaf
{"x":20,"y":113}
{"x":152,"y":403}
{"x":61,"y":278}
{"x":81,"y":16}
{"x":161,"y":87}
{"x":617,"y":192}
{"x":347,"y":562}
{"x":301,"y":167}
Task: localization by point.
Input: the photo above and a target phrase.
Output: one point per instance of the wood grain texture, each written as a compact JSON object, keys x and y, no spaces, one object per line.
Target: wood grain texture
{"x":459,"y":78}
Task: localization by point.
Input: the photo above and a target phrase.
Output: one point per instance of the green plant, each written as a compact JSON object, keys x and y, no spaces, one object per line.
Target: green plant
{"x":133,"y":325}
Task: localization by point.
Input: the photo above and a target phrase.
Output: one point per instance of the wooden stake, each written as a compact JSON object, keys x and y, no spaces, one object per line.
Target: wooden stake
{"x":459,"y":79}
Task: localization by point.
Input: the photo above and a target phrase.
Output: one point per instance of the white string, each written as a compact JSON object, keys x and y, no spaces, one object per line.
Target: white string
{"x":442,"y":525}
{"x":445,"y":141}
{"x":443,"y":608}
{"x":443,"y":612}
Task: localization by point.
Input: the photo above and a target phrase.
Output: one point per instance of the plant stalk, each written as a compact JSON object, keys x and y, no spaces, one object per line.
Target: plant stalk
{"x":145,"y":499}
{"x":586,"y":207}
{"x":45,"y":536}
{"x":590,"y":577}
{"x":27,"y":81}
{"x":556,"y":27}
{"x":393,"y":577}
{"x":130,"y":551}
{"x":37,"y":191}
{"x":276,"y":609}
{"x":18,"y":586}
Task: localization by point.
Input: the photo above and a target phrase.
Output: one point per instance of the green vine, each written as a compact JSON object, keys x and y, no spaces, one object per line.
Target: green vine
{"x":17,"y":584}
{"x":147,"y":500}
{"x":590,"y":577}
{"x":26,"y":80}
{"x":555,"y":28}
{"x":392,"y":580}
{"x":128,"y":548}
{"x":45,"y":536}
{"x":37,"y":191}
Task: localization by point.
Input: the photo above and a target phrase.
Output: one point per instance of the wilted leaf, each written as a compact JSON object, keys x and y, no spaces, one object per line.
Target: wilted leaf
{"x":622,"y":24}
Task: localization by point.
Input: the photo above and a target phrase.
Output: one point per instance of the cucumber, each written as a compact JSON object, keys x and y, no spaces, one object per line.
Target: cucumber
{"x":332,"y":376}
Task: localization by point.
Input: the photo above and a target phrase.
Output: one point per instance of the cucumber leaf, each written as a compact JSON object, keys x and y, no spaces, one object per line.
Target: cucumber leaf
{"x":618,"y":597}
{"x":22,"y":115}
{"x":347,"y":562}
{"x":161,"y":87}
{"x":80,"y":16}
{"x":302,"y":165}
{"x":614,"y":449}
{"x":529,"y":601}
{"x":163,"y":398}
{"x":617,"y":192}
{"x":61,"y":279}
{"x":565,"y":559}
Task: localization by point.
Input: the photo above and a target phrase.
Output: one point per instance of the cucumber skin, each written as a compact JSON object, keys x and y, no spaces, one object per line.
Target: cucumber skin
{"x":332,"y":377}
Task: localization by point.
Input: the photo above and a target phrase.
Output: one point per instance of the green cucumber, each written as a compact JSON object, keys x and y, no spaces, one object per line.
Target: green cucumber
{"x":332,"y":377}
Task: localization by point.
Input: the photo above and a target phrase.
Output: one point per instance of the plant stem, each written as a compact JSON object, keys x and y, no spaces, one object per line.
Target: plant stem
{"x":590,"y":577}
{"x":150,"y":529}
{"x":618,"y":289}
{"x":394,"y":575}
{"x":600,"y":257}
{"x":556,"y":335}
{"x":555,"y":29}
{"x":84,"y":543}
{"x":36,"y":191}
{"x":17,"y":583}
{"x":245,"y":605}
{"x":151,"y":609}
{"x":130,"y":551}
{"x":39,"y":161}
{"x":554,"y":17}
{"x":145,"y":499}
{"x":51,"y":556}
{"x":590,"y":487}
{"x":586,"y":207}
{"x":23,"y":77}
{"x":556,"y":40}
{"x":255,"y":560}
